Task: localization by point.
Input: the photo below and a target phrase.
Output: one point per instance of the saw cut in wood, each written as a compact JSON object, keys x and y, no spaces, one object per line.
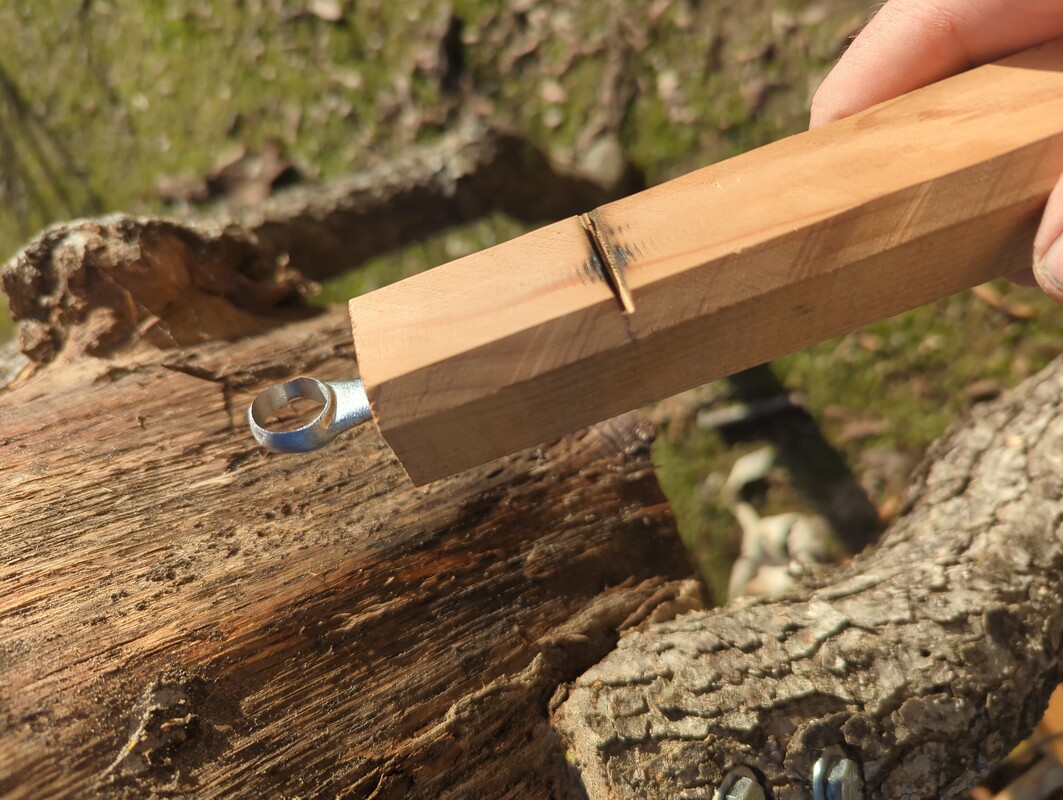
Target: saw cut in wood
{"x":714,"y":272}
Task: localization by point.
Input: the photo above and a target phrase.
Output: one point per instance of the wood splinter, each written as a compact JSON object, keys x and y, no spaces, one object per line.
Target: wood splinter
{"x":609,"y":260}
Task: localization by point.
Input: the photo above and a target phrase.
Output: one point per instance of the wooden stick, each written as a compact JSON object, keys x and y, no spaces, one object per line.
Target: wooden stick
{"x":717,"y":271}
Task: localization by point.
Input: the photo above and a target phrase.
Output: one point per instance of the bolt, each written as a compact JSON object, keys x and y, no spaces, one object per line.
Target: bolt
{"x":835,"y":776}
{"x":740,"y":784}
{"x":742,"y":790}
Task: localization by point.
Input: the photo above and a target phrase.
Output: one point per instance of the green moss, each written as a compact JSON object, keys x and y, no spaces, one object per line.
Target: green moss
{"x":707,"y":528}
{"x":7,"y":327}
{"x":915,"y":368}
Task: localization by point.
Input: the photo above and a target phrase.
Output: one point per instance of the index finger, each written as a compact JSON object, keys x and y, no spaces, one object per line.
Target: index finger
{"x":911,"y":43}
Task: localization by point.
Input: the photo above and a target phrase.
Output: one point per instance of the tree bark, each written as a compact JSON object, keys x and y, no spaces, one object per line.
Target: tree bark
{"x":182,"y":613}
{"x":928,"y":657}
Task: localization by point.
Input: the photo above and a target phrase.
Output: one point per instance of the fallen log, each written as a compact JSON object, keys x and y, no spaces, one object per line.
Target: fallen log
{"x":927,"y":658}
{"x":182,"y":613}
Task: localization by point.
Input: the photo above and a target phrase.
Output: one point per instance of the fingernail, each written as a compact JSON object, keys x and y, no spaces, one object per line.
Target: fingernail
{"x":1049,"y":267}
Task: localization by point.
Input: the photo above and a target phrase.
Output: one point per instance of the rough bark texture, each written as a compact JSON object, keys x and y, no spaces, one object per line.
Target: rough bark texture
{"x":181,"y":613}
{"x":98,"y":286}
{"x":928,"y":657}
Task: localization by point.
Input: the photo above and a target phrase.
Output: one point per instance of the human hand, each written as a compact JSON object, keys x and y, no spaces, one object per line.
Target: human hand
{"x":911,"y":43}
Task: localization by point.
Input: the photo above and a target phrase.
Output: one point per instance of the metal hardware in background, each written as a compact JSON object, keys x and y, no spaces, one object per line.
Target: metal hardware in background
{"x":740,"y":783}
{"x":835,"y":776}
{"x":344,"y":405}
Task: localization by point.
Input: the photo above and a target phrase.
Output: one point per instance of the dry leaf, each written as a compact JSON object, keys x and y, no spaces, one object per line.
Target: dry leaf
{"x":981,"y":390}
{"x":857,"y":430}
{"x":888,"y":509}
{"x":991,"y":296}
{"x":328,"y":10}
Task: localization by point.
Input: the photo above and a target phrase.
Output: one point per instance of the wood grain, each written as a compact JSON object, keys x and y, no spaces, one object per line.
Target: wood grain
{"x":727,"y":267}
{"x":181,"y":613}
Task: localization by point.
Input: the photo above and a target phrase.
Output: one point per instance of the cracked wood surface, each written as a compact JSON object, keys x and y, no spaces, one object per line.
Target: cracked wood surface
{"x":929,"y":657}
{"x":181,"y":613}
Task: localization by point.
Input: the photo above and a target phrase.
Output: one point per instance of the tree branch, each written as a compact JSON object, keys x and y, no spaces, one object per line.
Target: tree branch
{"x":928,"y":658}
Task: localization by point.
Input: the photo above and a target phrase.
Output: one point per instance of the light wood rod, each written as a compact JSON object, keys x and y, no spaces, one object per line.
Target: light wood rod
{"x":722,"y":269}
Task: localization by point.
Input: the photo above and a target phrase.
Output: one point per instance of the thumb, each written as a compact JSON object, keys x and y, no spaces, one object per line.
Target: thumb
{"x":1048,"y":247}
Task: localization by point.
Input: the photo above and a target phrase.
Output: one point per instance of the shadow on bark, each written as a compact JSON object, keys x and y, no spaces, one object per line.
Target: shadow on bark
{"x":816,"y":467}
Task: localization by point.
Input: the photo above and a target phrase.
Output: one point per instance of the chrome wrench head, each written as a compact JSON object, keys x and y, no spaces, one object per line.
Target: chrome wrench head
{"x":344,"y":405}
